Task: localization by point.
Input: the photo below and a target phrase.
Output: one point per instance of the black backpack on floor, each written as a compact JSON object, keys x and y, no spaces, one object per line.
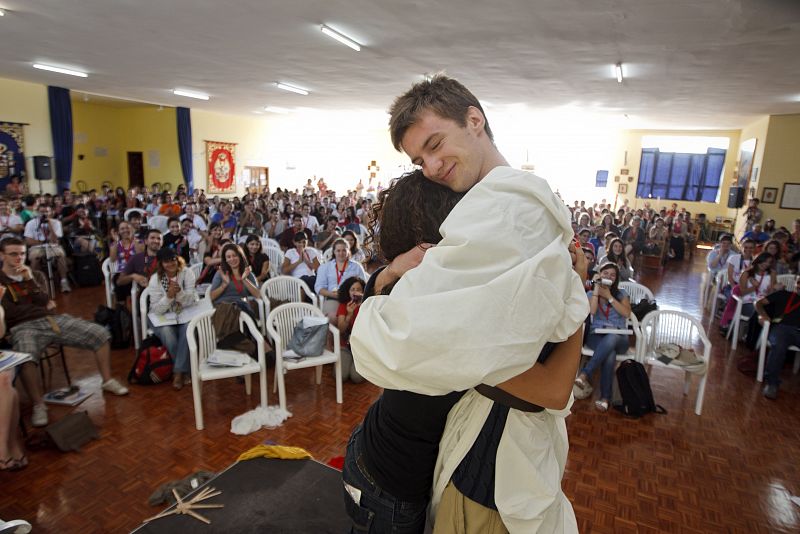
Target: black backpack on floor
{"x":634,"y":386}
{"x":86,"y":269}
{"x":119,"y":322}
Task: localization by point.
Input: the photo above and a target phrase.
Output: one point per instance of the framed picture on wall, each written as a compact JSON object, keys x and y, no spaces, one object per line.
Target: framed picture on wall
{"x":769,"y":195}
{"x":622,"y":189}
{"x":791,"y":196}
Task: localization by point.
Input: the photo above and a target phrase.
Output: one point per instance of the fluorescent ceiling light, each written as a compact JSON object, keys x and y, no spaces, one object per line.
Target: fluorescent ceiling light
{"x":618,"y":72}
{"x":190,"y":94}
{"x":341,"y":38}
{"x":2,"y":13}
{"x":291,"y":88}
{"x":276,"y":109}
{"x":60,"y":70}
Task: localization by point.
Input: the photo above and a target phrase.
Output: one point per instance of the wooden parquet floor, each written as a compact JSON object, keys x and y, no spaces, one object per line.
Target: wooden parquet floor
{"x":731,"y":470}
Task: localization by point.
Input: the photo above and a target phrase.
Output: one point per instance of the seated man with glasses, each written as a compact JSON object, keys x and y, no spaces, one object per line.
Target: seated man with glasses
{"x":33,"y":325}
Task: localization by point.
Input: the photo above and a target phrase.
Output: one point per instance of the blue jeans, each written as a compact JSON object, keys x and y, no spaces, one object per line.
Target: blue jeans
{"x":377,"y":512}
{"x":605,"y":347}
{"x":173,"y":337}
{"x":781,"y":337}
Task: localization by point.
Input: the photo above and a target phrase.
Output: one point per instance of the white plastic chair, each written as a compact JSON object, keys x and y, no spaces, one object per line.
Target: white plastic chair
{"x":109,"y":268}
{"x":144,"y":306}
{"x":328,"y":254}
{"x":636,"y":291}
{"x":202,"y":341}
{"x":276,"y":257}
{"x":137,"y":331}
{"x":280,"y":325}
{"x":763,"y":342}
{"x":286,"y":288}
{"x":717,"y":295}
{"x":632,"y":328}
{"x":669,"y":326}
{"x":269,"y":242}
{"x":159,"y":222}
{"x":128,"y":211}
{"x":788,"y":281}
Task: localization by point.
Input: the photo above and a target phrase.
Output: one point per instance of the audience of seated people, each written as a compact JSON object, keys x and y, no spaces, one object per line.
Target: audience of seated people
{"x":116,"y":224}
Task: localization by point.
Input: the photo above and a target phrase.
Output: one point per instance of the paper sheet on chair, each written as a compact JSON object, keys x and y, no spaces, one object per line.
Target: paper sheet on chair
{"x":186,"y":315}
{"x":228,"y":358}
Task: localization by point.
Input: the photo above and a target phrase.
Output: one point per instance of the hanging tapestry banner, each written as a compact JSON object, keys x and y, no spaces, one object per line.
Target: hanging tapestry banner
{"x":221,"y":167}
{"x":12,"y":152}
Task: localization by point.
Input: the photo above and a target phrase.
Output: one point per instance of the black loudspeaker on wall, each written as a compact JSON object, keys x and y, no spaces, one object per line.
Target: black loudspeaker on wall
{"x":736,"y":197}
{"x":41,"y":167}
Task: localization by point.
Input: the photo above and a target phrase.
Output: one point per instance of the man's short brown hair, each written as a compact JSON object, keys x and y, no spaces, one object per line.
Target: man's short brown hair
{"x":441,"y":94}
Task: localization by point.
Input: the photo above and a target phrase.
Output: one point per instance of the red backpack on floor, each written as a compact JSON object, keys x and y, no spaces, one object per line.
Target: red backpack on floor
{"x":152,"y":364}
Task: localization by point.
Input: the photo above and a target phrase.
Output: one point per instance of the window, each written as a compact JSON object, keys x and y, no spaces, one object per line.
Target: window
{"x":681,"y":176}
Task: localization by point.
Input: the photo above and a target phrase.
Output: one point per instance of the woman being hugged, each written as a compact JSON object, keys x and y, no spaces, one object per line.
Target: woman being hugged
{"x":172,"y":289}
{"x":610,"y":308}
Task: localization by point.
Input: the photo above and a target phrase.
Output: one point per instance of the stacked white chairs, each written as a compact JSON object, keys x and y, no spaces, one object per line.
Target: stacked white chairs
{"x":202,"y":341}
{"x":280,"y":325}
{"x":788,"y":281}
{"x":109,"y":268}
{"x":669,"y":326}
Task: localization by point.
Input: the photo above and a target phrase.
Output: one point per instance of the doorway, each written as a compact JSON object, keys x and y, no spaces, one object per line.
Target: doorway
{"x":135,"y":170}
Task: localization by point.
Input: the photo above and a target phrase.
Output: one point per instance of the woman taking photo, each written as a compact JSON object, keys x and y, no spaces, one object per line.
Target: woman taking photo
{"x":172,"y":290}
{"x":333,"y":274}
{"x":610,"y":308}
{"x":616,"y":254}
{"x":234,"y":282}
{"x":350,"y":295}
{"x":258,"y":261}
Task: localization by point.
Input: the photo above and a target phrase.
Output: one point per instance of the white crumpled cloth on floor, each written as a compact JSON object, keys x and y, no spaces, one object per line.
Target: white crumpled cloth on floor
{"x":269,"y":417}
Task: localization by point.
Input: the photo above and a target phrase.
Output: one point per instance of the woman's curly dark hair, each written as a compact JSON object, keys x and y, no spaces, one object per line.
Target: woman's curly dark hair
{"x":409,"y":212}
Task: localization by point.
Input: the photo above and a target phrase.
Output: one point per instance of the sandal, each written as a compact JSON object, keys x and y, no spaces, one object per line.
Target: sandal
{"x":582,"y":389}
{"x":601,"y":405}
{"x":14,"y":464}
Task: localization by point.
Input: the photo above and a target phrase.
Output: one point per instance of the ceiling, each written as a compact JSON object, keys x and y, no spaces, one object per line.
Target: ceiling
{"x":687,"y":63}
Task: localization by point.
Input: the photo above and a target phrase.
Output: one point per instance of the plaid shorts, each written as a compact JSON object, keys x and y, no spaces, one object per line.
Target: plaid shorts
{"x":34,"y":336}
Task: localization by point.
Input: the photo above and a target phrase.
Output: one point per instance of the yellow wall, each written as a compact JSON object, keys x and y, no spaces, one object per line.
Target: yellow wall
{"x":631,"y":140}
{"x":780,"y":164}
{"x":120,"y":130}
{"x":758,"y":131}
{"x":27,"y":103}
{"x":335,"y":145}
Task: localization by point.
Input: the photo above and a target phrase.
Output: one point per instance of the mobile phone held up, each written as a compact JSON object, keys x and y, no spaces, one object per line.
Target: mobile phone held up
{"x":357,"y":298}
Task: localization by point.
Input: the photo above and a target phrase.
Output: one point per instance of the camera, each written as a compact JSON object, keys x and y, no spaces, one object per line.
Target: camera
{"x":357,"y":298}
{"x":603,"y":281}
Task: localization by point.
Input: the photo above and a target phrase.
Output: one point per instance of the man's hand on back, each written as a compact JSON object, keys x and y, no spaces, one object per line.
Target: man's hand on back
{"x":401,"y":265}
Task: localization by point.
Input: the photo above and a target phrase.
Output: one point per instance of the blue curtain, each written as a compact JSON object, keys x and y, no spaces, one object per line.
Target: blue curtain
{"x":185,"y":146}
{"x":677,"y":176}
{"x":61,"y":131}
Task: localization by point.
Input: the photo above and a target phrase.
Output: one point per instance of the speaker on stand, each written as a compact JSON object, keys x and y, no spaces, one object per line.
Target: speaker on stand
{"x":42,"y":169}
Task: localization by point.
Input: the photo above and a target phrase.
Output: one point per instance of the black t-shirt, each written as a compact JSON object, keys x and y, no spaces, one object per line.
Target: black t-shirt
{"x":178,"y":243}
{"x":401,"y":434}
{"x":779,"y":307}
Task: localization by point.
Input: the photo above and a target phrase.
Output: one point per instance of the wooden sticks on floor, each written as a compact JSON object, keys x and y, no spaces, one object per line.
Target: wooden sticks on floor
{"x":189,"y":507}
